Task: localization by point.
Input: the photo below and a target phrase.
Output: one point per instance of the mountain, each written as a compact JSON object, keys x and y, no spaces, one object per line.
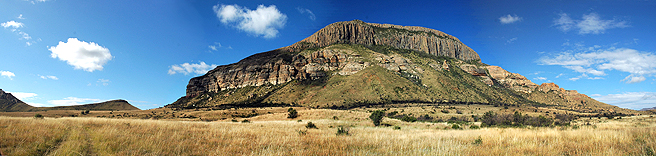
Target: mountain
{"x":647,"y":109}
{"x":9,"y":103}
{"x":353,"y":63}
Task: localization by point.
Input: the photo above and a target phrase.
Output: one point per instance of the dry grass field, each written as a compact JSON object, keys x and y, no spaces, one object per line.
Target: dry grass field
{"x":274,"y":134}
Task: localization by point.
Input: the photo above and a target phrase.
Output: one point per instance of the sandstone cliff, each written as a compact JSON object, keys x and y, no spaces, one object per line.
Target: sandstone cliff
{"x":402,"y":37}
{"x":286,"y":64}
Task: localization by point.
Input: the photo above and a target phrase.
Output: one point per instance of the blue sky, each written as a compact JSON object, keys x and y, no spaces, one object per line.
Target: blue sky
{"x":57,"y":52}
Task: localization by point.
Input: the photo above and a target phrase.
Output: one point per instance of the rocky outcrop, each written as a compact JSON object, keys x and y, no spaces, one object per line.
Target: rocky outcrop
{"x":510,"y":80}
{"x":9,"y":103}
{"x":402,"y":37}
{"x":276,"y":67}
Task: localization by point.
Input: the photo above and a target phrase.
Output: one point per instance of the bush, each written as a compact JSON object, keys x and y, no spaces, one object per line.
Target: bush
{"x":302,"y":132}
{"x":445,"y":111}
{"x":234,"y":120}
{"x":341,"y":130}
{"x":408,"y":119}
{"x":396,"y":128}
{"x":311,"y":125}
{"x":245,"y":121}
{"x":478,"y":141}
{"x":455,"y":126}
{"x":38,"y":116}
{"x":335,"y":118}
{"x":377,"y":116}
{"x":474,"y":127}
{"x":292,"y":113}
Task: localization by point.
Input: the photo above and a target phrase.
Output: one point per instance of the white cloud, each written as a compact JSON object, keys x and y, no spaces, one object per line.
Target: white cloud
{"x":20,"y":16}
{"x":595,"y":61}
{"x":7,"y":74}
{"x":540,"y":78}
{"x":307,"y":11}
{"x":509,"y":19}
{"x":104,"y":82}
{"x":48,"y":77}
{"x":23,"y":96}
{"x":24,"y":35}
{"x":12,"y":24}
{"x":263,"y":21}
{"x":564,"y":23}
{"x":589,"y":23}
{"x":81,"y":55}
{"x":559,"y":75}
{"x":511,"y":40}
{"x":70,"y":101}
{"x":187,"y":68}
{"x":631,"y":100}
{"x":35,"y":1}
{"x":213,"y":47}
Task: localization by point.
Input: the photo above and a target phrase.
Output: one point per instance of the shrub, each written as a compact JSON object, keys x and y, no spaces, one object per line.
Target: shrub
{"x":474,"y":127}
{"x":38,"y":116}
{"x":377,"y":116}
{"x":455,"y":126}
{"x":311,"y":125}
{"x":396,"y":128}
{"x":335,"y":118}
{"x":408,"y":119}
{"x":235,"y":120}
{"x":445,"y":111}
{"x":478,"y":141}
{"x":341,"y":130}
{"x":292,"y":113}
{"x":458,"y":112}
{"x":245,"y":121}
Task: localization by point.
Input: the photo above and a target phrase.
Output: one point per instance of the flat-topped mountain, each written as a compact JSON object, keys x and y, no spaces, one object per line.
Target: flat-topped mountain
{"x":9,"y":103}
{"x":353,"y":63}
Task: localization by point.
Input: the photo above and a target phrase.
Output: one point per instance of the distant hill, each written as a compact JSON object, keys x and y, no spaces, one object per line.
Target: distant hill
{"x":9,"y":103}
{"x":646,"y":109}
{"x":353,"y":63}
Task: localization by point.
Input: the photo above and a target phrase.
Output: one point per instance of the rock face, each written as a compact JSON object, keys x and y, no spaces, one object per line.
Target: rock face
{"x":9,"y":103}
{"x":276,"y":67}
{"x":287,"y":64}
{"x":402,"y":37}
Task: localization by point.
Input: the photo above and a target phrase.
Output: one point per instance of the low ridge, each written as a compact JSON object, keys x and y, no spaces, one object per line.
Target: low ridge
{"x":9,"y":103}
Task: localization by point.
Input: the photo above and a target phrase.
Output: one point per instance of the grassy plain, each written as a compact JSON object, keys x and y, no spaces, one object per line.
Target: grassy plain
{"x":274,"y":134}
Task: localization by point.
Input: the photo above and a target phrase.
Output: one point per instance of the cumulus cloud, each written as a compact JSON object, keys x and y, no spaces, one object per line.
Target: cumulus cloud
{"x":596,"y":61}
{"x":81,"y":55}
{"x":509,"y":19}
{"x":631,"y":100}
{"x":588,"y":24}
{"x":307,"y":11}
{"x":187,"y":68}
{"x":23,"y":96}
{"x":12,"y":24}
{"x":70,"y":101}
{"x":7,"y":74}
{"x":45,"y":77}
{"x":263,"y":21}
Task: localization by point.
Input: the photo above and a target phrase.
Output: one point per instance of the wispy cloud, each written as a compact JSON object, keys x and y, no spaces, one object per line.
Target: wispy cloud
{"x":12,"y":24}
{"x":307,"y":11}
{"x":187,"y":68}
{"x":509,"y":19}
{"x":15,"y":27}
{"x":596,"y":61}
{"x":45,"y":77}
{"x":71,"y":101}
{"x":104,"y":82}
{"x":263,"y":21}
{"x":20,"y":16}
{"x":87,"y":56}
{"x":511,"y":40}
{"x":589,"y":23}
{"x":8,"y":74}
{"x":631,"y":100}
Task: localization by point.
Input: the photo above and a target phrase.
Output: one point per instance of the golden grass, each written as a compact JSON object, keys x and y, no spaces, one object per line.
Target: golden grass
{"x":274,"y":134}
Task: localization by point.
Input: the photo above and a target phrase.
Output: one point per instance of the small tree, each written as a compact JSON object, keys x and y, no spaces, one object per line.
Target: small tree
{"x":292,"y":113}
{"x":377,"y":116}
